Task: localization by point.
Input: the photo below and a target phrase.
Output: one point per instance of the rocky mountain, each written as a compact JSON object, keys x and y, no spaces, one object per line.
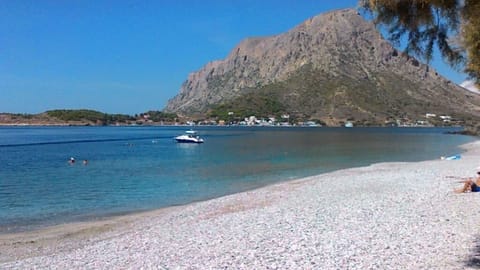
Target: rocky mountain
{"x":333,"y":67}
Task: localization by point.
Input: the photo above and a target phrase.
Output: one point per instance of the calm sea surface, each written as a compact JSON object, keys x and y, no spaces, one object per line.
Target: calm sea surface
{"x":141,"y":168}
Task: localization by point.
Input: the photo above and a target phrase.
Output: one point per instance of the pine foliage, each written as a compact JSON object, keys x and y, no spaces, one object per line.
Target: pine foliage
{"x":426,"y":23}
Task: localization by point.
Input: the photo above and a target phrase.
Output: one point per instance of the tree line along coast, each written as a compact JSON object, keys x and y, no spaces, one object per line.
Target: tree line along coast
{"x":85,"y":117}
{"x":214,"y":117}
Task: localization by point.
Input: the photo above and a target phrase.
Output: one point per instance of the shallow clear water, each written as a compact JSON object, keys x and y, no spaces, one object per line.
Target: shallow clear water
{"x":141,"y":168}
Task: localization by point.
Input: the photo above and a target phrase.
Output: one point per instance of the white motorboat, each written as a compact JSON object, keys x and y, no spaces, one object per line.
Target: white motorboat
{"x":190,"y":136}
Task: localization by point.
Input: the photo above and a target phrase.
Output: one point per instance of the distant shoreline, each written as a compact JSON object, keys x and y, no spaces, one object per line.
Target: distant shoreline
{"x":196,"y":126}
{"x":87,"y":117}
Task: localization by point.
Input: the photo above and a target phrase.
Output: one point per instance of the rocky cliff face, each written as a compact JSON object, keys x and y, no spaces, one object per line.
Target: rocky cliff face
{"x":333,"y":66}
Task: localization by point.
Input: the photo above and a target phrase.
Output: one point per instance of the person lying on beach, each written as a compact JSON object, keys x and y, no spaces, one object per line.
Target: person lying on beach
{"x":470,"y":185}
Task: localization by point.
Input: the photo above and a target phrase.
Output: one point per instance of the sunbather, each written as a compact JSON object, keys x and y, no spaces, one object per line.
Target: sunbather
{"x":470,"y":185}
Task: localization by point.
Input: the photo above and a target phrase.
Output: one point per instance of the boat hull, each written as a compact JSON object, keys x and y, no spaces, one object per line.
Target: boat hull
{"x":188,"y":141}
{"x":190,"y":136}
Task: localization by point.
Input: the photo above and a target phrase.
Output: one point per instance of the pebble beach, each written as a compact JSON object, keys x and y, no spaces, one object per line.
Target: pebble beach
{"x":384,"y":216}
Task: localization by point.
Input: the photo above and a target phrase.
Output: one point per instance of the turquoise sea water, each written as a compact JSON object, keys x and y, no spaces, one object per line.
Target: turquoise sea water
{"x":141,"y":168}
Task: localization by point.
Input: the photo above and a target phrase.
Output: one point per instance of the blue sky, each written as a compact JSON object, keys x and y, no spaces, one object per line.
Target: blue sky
{"x":129,"y":56}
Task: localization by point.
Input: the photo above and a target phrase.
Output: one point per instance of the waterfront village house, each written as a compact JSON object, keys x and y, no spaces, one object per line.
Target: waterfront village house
{"x":445,"y":118}
{"x":251,"y":121}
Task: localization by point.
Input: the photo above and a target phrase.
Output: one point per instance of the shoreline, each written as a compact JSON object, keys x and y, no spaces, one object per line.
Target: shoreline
{"x":320,"y":221}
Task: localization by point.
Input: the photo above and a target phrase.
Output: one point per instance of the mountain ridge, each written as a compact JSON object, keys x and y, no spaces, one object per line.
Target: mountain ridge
{"x":342,"y":53}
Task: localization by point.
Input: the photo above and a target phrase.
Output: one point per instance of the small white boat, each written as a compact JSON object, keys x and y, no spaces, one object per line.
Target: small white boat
{"x":348,"y":124}
{"x":190,"y":136}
